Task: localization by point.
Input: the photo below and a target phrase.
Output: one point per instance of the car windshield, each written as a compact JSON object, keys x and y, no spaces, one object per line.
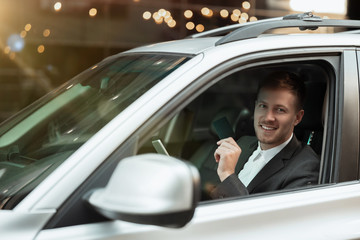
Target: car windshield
{"x":38,"y":139}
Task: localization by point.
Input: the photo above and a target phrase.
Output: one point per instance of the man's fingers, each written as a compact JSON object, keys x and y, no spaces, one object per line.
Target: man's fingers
{"x":228,"y":143}
{"x":216,"y":156}
{"x":229,"y":139}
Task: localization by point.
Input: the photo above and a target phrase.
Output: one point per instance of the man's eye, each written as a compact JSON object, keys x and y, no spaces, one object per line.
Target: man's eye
{"x":280,"y":110}
{"x":262,"y":106}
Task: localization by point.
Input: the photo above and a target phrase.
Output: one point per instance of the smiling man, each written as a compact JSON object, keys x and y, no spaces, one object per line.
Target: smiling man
{"x":275,"y":159}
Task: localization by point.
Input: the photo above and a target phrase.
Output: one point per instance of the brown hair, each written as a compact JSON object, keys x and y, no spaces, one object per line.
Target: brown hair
{"x":285,"y":80}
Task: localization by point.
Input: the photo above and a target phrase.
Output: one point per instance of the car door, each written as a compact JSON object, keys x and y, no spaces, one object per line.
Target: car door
{"x":304,"y":213}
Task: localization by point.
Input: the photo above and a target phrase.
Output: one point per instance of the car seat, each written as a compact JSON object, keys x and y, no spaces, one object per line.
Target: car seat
{"x":310,"y":129}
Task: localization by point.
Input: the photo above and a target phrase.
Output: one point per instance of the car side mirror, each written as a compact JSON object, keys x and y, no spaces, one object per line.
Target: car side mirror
{"x":150,"y":189}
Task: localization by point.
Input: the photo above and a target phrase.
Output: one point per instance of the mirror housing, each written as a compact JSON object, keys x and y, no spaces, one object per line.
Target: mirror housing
{"x":150,"y":189}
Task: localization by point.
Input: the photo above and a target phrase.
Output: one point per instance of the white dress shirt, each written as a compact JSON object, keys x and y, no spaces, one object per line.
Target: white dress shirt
{"x":258,"y":160}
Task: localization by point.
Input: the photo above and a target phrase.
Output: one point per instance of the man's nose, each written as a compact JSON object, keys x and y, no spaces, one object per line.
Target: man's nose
{"x":269,"y":116}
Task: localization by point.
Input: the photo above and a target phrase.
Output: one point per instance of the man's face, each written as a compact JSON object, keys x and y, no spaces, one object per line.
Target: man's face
{"x":275,"y":116}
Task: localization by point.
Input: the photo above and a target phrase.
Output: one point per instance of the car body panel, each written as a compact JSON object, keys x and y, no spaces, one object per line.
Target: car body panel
{"x":350,"y":108}
{"x":22,"y":225}
{"x":302,"y":212}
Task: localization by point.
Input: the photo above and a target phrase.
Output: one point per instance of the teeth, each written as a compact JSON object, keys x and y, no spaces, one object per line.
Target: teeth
{"x":267,"y":128}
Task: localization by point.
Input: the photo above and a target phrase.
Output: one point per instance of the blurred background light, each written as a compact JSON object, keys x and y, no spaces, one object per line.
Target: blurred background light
{"x":171,"y":23}
{"x":16,"y":43}
{"x":92,"y":12}
{"x":190,"y":25}
{"x":27,"y":27}
{"x":162,"y":12}
{"x":237,"y":12}
{"x":7,"y":50}
{"x":224,"y":13}
{"x":244,"y":16}
{"x":253,"y":19}
{"x":321,"y":6}
{"x":156,"y":16}
{"x":234,"y":17}
{"x":146,"y":15}
{"x":46,"y":33}
{"x":23,"y":33}
{"x":41,"y":48}
{"x":205,"y":11}
{"x":57,"y":6}
{"x":200,"y":28}
{"x":246,"y":5}
{"x":188,"y":14}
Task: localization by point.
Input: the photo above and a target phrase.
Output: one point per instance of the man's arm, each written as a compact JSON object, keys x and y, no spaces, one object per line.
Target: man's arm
{"x":230,"y":187}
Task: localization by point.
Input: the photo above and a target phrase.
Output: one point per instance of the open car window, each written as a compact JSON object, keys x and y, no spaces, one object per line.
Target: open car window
{"x":191,"y":133}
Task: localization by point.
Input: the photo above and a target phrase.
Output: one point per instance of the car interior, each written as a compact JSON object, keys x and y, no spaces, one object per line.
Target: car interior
{"x":191,"y":133}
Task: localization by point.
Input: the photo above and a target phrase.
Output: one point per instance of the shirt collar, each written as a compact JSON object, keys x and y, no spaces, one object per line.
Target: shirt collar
{"x":270,"y":153}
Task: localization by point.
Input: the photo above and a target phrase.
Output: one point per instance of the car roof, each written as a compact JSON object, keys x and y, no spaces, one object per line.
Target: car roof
{"x":191,"y":46}
{"x":201,"y":42}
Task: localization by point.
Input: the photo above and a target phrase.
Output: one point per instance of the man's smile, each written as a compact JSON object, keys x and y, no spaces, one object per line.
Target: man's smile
{"x":267,"y":128}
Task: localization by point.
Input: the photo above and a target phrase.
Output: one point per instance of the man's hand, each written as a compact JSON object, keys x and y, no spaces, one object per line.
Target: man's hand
{"x":227,"y":155}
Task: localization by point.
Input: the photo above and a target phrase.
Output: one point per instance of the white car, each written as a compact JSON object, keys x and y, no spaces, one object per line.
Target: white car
{"x":90,"y":159}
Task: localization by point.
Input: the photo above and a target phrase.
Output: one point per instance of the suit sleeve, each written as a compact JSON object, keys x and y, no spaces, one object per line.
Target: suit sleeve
{"x":230,"y":187}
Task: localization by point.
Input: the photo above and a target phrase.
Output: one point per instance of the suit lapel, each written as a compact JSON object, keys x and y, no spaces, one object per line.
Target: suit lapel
{"x":275,"y":164}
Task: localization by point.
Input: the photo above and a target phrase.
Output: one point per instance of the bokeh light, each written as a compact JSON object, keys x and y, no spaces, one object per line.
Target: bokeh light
{"x":244,"y":16}
{"x":224,"y":13}
{"x":57,"y":6}
{"x":23,"y":33}
{"x":188,"y":14}
{"x":234,"y":17}
{"x":168,"y":19}
{"x":162,"y":12}
{"x":12,"y":55}
{"x":323,"y":6}
{"x":16,"y":43}
{"x":41,"y":48}
{"x":237,"y":12}
{"x":162,"y":15}
{"x":253,"y":19}
{"x":7,"y":50}
{"x":200,"y":28}
{"x":190,"y":25}
{"x":27,"y":27}
{"x":146,"y":15}
{"x":171,"y":23}
{"x":246,"y":5}
{"x":205,"y":11}
{"x":46,"y":33}
{"x":92,"y":12}
{"x":156,"y":16}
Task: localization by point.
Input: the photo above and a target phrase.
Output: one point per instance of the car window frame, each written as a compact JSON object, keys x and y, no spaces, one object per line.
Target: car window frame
{"x":349,"y":130}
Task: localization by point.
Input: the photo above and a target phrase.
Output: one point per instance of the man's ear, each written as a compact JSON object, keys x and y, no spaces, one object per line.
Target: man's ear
{"x":299,"y":117}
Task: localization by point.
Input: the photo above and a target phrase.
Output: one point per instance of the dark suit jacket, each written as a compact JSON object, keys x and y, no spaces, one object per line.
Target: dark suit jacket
{"x":294,"y":166}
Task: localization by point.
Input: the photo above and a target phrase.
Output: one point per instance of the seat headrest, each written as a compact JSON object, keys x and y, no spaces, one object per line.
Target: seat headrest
{"x":313,"y":106}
